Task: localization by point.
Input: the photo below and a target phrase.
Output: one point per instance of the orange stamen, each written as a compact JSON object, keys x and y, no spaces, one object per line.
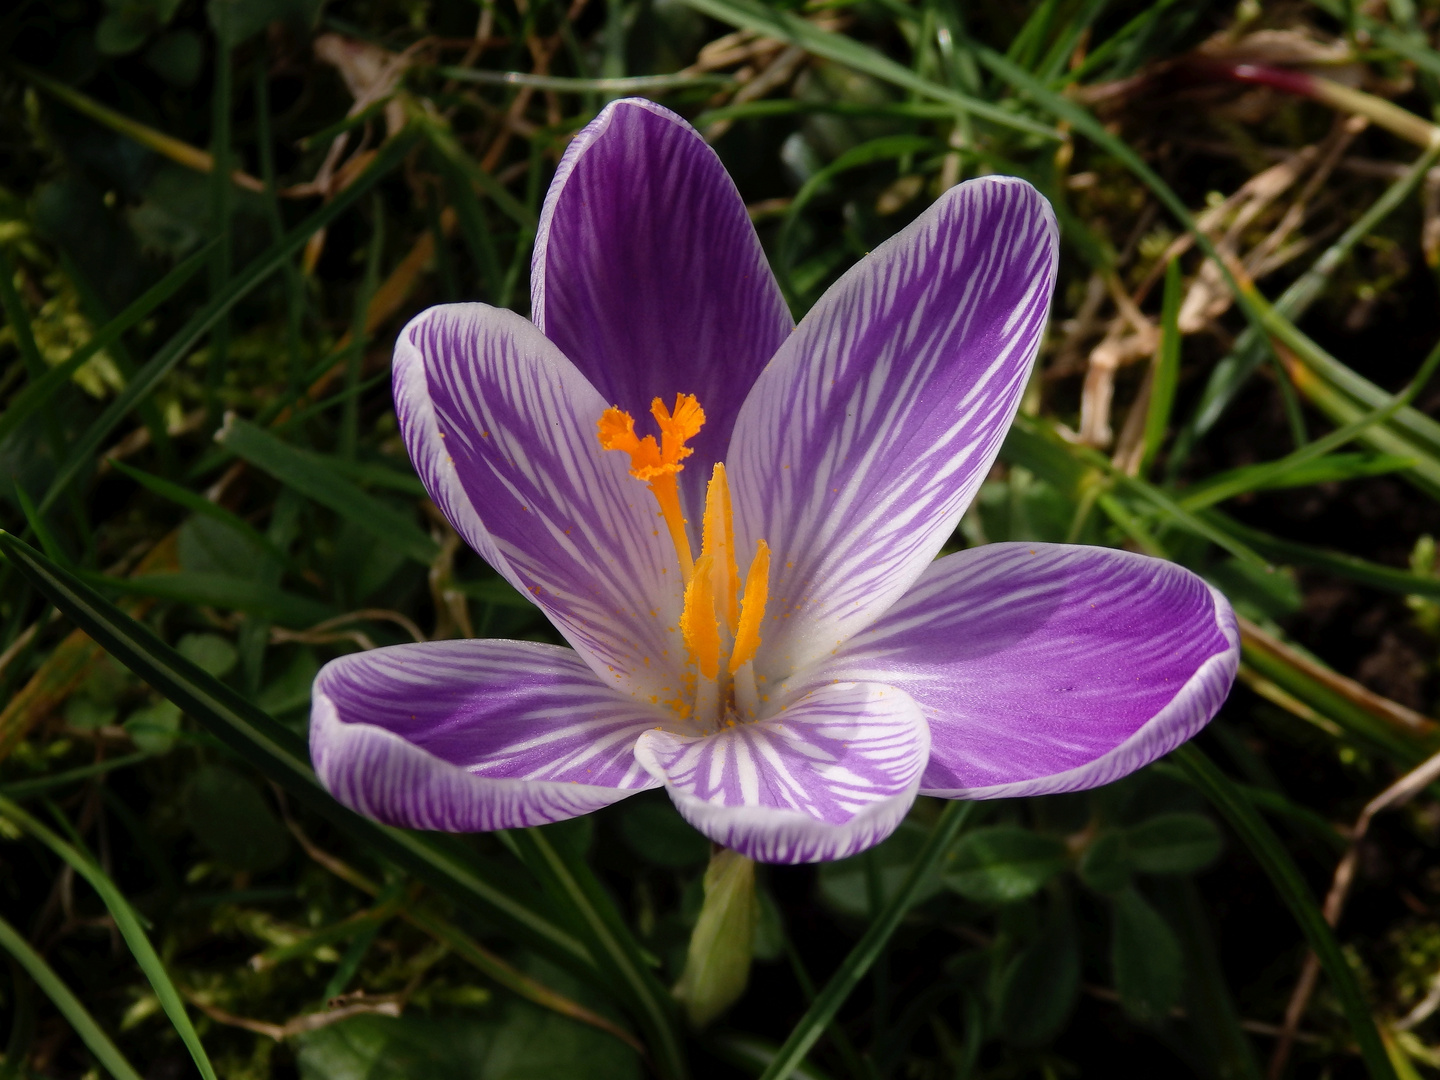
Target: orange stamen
{"x":752,"y":609}
{"x":718,"y":540}
{"x":698,"y":624}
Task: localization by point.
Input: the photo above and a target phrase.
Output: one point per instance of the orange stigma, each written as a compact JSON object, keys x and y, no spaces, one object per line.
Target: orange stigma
{"x":657,"y":462}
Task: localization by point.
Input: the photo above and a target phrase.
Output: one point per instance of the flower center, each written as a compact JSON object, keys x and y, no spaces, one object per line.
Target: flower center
{"x":720,"y":621}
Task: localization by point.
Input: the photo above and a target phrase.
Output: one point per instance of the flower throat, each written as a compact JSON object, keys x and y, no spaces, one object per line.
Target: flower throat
{"x":720,"y":622}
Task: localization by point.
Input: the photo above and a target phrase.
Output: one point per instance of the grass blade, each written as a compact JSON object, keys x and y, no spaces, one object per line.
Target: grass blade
{"x":868,"y":949}
{"x":1231,"y":373}
{"x":240,"y":286}
{"x":252,"y":596}
{"x":91,"y":1034}
{"x":1270,"y":853}
{"x":127,"y":922}
{"x":784,"y":26}
{"x":197,"y":503}
{"x":311,"y":475}
{"x":1167,"y":367}
{"x":39,"y":391}
{"x":1323,"y":469}
{"x":613,"y":942}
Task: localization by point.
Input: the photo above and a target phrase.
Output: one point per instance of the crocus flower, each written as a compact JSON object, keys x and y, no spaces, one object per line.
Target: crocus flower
{"x":734,"y":522}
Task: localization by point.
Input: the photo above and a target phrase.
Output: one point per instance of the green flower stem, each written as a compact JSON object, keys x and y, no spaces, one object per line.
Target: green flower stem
{"x":868,"y":949}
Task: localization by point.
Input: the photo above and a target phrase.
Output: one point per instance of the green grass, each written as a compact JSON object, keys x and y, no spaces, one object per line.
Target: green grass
{"x":203,"y":473}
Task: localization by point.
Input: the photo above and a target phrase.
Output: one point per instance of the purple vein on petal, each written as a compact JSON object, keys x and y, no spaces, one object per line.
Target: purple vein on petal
{"x":867,"y":436}
{"x":649,"y":276}
{"x":511,"y":428}
{"x":464,"y":735}
{"x":1048,"y":667}
{"x":833,"y":773}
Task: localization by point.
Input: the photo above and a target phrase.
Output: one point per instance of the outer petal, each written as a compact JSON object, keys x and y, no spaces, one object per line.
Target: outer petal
{"x":1050,"y":667}
{"x":467,"y":736}
{"x":832,"y":774}
{"x":649,"y":275}
{"x":864,"y":440}
{"x":501,"y":429}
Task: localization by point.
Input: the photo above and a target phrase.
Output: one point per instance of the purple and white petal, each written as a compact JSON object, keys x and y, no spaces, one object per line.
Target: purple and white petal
{"x":501,"y":428}
{"x":832,"y":774}
{"x":865,"y":438}
{"x":467,"y":736}
{"x":649,"y":276}
{"x":1049,"y":667}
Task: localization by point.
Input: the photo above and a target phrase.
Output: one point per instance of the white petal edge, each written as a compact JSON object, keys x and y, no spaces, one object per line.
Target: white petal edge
{"x":773,"y":835}
{"x":386,"y":778}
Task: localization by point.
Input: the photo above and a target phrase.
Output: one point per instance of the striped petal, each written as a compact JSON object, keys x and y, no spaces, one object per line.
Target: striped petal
{"x":467,"y":736}
{"x":832,"y":774}
{"x":649,"y":276}
{"x":866,"y":437}
{"x":1049,"y":667}
{"x":501,"y":428}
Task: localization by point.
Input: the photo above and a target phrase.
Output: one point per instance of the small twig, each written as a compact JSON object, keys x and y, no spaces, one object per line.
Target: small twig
{"x":1258,"y":1027}
{"x":460,"y":943}
{"x":1397,"y":794}
{"x":1424,"y":1009}
{"x":21,"y":640}
{"x":382,"y":1005}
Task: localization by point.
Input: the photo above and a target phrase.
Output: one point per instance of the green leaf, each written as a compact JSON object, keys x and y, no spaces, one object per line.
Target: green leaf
{"x":1003,"y":863}
{"x":523,"y":1043}
{"x":1040,"y":986}
{"x":1257,"y":593}
{"x":230,"y":817}
{"x":211,"y":653}
{"x":844,"y":884}
{"x":1322,"y":470}
{"x":311,"y":475}
{"x":154,"y":728}
{"x":1146,"y":958}
{"x":36,"y":393}
{"x":1173,"y":844}
{"x":568,"y":879}
{"x":884,"y":148}
{"x":177,"y":57}
{"x":657,"y":833}
{"x":91,"y":1034}
{"x":199,"y":504}
{"x":118,"y":33}
{"x":1106,"y":866}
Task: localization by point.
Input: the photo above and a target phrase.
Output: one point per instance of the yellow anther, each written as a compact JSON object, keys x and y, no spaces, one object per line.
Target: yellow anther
{"x":698,"y":625}
{"x":718,"y":541}
{"x":752,"y":609}
{"x":658,"y":462}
